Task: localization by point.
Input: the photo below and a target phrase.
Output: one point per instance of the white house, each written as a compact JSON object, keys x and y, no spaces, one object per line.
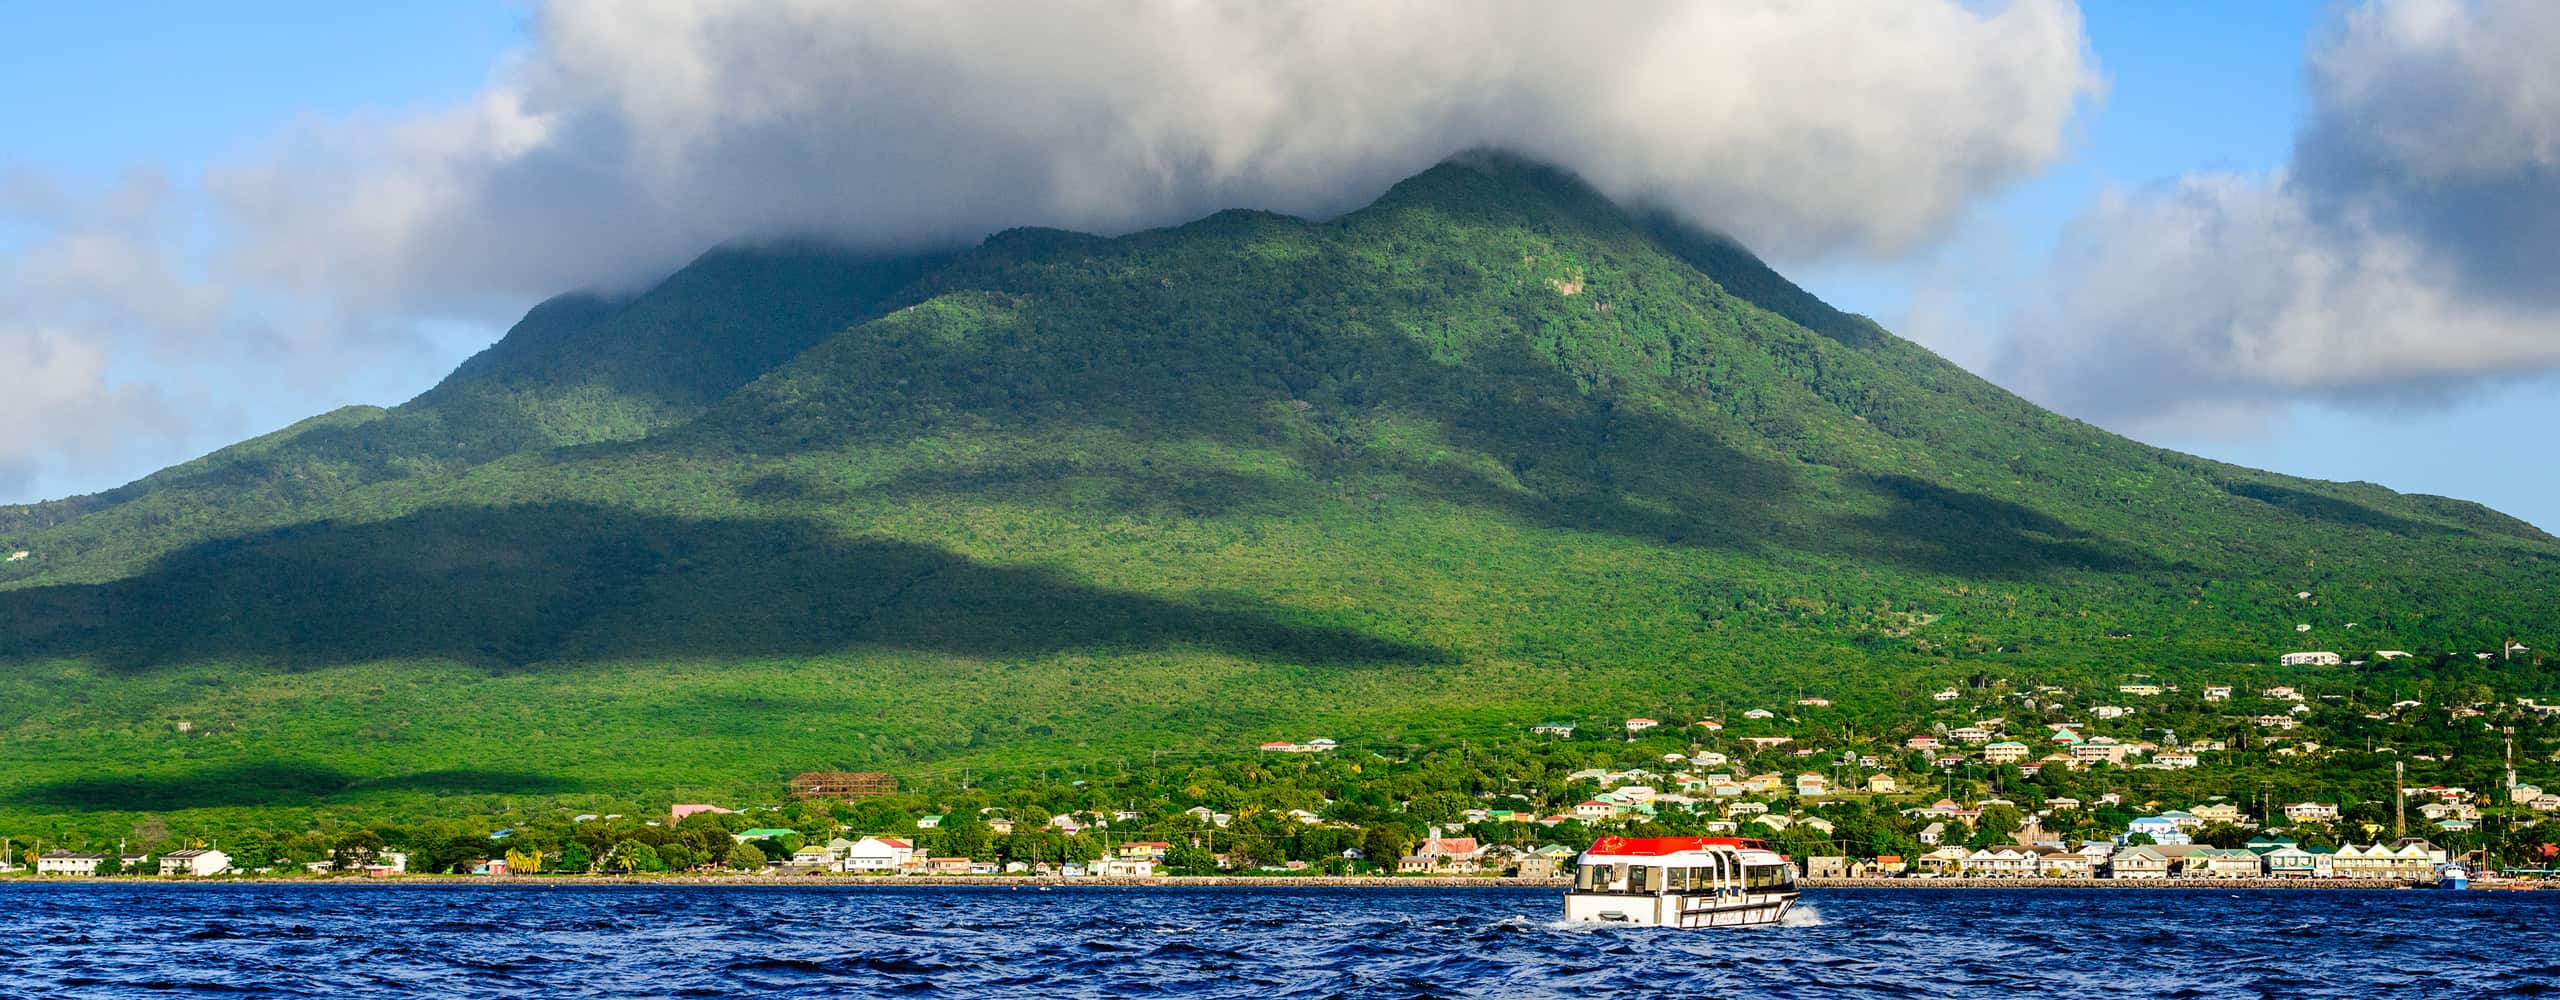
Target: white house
{"x":878,"y":854}
{"x":2218,"y":692}
{"x":197,"y":862}
{"x":1640,"y":725}
{"x":2319,"y":659}
{"x":2311,"y":812}
{"x":68,"y":863}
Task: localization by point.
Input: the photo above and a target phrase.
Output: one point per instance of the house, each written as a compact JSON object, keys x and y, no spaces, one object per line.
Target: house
{"x":2111,"y":711}
{"x":1814,"y":702}
{"x":877,"y":854}
{"x":2319,"y":659}
{"x":1450,"y":851}
{"x":1556,"y":729}
{"x":2056,"y":862}
{"x":2139,"y":862}
{"x":1949,"y":694}
{"x":1921,"y":743}
{"x":2005,"y":752}
{"x":679,"y":811}
{"x":1534,"y":866}
{"x":2061,"y":802}
{"x":2174,"y":761}
{"x":195,"y":862}
{"x":2000,"y":862}
{"x":1709,"y":758}
{"x":2100,"y":750}
{"x":2282,"y":693}
{"x":2219,"y":862}
{"x":1947,"y":861}
{"x":68,"y":863}
{"x":2162,"y":830}
{"x":1882,"y":784}
{"x":815,"y":856}
{"x":2311,"y":812}
{"x":2287,"y":861}
{"x":1969,"y":734}
{"x":1811,"y":785}
{"x":763,"y":833}
{"x":1759,"y":713}
{"x":1640,"y":725}
{"x":1205,"y":815}
{"x":2218,"y":814}
{"x":928,"y":822}
{"x":2218,"y":692}
{"x":1933,"y":833}
{"x":1768,"y":742}
{"x":2408,"y":859}
{"x":949,"y":866}
{"x":1590,"y":809}
{"x":1123,"y":868}
{"x":2138,"y":690}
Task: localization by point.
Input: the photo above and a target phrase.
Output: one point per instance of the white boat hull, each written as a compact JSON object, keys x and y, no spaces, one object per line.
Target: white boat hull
{"x":1679,"y":909}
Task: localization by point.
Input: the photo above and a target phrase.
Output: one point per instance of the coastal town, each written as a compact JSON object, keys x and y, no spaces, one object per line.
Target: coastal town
{"x":2317,"y":779}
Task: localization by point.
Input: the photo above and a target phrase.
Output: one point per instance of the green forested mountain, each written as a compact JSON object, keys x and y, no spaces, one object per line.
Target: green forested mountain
{"x":1489,"y":451}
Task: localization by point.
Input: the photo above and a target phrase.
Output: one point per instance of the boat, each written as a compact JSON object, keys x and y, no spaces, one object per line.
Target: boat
{"x":1680,"y":882}
{"x":2453,"y":877}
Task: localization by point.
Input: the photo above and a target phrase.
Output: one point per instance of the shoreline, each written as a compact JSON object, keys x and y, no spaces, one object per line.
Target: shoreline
{"x":1188,"y":882}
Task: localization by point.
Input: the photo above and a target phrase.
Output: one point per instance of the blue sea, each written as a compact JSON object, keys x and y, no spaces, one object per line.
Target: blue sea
{"x":635,"y":941}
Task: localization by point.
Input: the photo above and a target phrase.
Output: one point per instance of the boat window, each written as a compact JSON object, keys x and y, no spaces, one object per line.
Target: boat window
{"x":1760,"y":877}
{"x":1637,"y":878}
{"x":1584,"y":876}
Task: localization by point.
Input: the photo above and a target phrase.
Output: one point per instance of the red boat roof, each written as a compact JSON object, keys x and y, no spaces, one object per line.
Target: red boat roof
{"x":1646,"y":847}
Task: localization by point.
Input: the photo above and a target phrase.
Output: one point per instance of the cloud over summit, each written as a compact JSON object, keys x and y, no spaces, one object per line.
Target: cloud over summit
{"x":630,"y":135}
{"x":635,"y":134}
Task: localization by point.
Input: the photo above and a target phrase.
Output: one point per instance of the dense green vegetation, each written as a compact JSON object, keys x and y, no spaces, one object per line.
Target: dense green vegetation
{"x":1488,"y":451}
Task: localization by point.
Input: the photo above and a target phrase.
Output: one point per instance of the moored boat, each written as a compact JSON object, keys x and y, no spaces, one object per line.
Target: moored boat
{"x":2453,"y":877}
{"x":1680,"y":882}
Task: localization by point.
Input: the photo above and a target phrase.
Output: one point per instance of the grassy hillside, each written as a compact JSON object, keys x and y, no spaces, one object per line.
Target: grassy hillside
{"x":1488,"y":451}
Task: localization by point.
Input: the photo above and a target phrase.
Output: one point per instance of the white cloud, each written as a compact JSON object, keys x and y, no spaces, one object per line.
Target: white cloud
{"x":630,"y":136}
{"x":634,"y":134}
{"x":2401,"y":257}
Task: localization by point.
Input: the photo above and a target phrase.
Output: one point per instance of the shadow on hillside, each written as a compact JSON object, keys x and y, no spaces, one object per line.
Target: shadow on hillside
{"x":1940,"y":529}
{"x":269,"y":784}
{"x":1528,"y":441}
{"x":527,"y":585}
{"x":2333,"y":510}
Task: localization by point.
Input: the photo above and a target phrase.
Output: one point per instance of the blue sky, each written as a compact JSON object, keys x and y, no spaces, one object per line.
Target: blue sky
{"x":98,"y":94}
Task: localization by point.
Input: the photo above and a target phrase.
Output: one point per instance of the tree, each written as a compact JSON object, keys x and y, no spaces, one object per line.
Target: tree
{"x":634,"y":856}
{"x":112,"y":864}
{"x":355,"y":850}
{"x":745,"y":858}
{"x":523,"y":862}
{"x":574,"y":857}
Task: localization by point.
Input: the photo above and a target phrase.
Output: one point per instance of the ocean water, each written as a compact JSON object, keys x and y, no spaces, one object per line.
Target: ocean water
{"x":635,"y":941}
